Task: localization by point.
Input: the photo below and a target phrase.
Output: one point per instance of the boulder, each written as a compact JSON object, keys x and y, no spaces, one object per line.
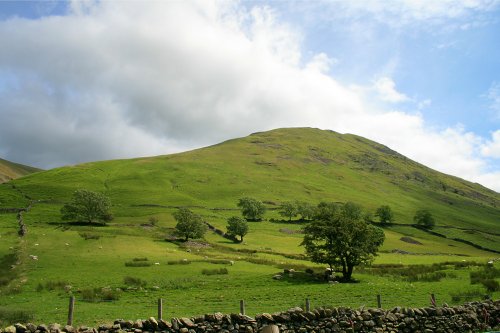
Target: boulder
{"x":20,"y":328}
{"x":187,"y":322}
{"x":10,"y":329}
{"x":270,"y":329}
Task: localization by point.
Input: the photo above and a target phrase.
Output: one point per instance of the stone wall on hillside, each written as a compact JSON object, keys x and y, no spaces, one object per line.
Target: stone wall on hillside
{"x":470,"y":317}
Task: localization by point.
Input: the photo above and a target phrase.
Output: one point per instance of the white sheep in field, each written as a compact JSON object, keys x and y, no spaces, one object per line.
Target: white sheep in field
{"x":33,"y":257}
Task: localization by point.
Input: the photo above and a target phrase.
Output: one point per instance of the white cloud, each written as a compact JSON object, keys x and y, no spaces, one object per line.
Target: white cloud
{"x":493,"y":94}
{"x":406,"y":12}
{"x":386,"y":88}
{"x":492,"y":148}
{"x":122,"y":79}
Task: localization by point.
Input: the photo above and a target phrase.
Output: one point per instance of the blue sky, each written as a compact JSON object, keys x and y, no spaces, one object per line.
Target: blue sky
{"x":91,"y":80}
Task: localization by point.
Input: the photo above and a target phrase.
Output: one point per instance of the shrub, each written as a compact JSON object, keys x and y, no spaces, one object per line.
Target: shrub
{"x":153,"y":220}
{"x":100,"y":294}
{"x":138,"y":263}
{"x":491,"y":285}
{"x":466,"y":296}
{"x":88,"y":235}
{"x":140,"y":259}
{"x":179,"y":262}
{"x":136,"y":282}
{"x":220,"y":261}
{"x":53,"y":285}
{"x":216,"y":271}
{"x":9,"y":316}
{"x":487,"y":273}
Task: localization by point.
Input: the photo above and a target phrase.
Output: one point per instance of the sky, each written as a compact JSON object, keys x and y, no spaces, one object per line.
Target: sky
{"x":95,"y":80}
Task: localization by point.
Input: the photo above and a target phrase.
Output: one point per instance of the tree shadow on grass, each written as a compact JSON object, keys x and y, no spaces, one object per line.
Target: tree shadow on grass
{"x":301,"y":278}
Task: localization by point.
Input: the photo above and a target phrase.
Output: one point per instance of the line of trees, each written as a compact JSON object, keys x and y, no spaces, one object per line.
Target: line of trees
{"x":94,"y":207}
{"x":340,"y":235}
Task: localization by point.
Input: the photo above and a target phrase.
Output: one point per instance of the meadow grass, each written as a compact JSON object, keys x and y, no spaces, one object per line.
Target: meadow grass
{"x":100,"y":263}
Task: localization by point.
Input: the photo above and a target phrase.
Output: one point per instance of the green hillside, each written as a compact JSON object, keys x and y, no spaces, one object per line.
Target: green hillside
{"x":10,"y":170}
{"x":281,"y":165}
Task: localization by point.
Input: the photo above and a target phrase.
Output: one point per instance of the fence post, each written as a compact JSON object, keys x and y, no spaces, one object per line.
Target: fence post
{"x":160,"y":308}
{"x":433,"y":299}
{"x":71,"y":310}
{"x":379,"y":302}
{"x":308,"y":305}
{"x":242,"y":307}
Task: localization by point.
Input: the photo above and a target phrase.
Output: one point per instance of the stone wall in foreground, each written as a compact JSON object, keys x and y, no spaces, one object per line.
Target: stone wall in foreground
{"x":470,"y":317}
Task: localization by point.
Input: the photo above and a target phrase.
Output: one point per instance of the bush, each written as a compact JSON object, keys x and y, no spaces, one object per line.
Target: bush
{"x":9,"y":316}
{"x":100,"y":294}
{"x":153,"y":220}
{"x":179,"y":262}
{"x":87,"y":236}
{"x":466,"y":296}
{"x":487,"y":273}
{"x":220,"y":261}
{"x":216,"y":271}
{"x":491,"y":285}
{"x":138,"y":263}
{"x":136,"y":282}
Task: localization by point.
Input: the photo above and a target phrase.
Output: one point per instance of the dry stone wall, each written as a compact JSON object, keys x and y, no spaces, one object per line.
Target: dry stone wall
{"x":471,"y":317}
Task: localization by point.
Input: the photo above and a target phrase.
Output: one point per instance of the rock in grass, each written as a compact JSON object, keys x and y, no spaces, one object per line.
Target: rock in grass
{"x":10,"y":329}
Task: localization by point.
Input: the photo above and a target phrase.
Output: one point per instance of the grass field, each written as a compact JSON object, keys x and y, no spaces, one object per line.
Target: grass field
{"x":93,"y":262}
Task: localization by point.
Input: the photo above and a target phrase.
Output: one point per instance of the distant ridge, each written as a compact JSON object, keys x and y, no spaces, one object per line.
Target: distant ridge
{"x":10,"y":170}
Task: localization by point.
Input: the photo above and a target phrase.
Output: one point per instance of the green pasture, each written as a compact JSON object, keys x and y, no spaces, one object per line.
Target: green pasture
{"x":277,"y":166}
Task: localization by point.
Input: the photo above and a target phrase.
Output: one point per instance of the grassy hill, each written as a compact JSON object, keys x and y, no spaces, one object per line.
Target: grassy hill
{"x":276,"y":166}
{"x":10,"y":170}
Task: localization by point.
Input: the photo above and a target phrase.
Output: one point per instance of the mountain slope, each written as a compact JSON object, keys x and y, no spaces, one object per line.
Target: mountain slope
{"x":276,"y":166}
{"x":280,"y":165}
{"x":10,"y":170}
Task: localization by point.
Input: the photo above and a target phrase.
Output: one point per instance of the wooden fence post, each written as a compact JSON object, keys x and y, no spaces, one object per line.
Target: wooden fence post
{"x":71,"y":310}
{"x":433,"y":300}
{"x":379,"y":302}
{"x":160,"y":308}
{"x":242,"y":307}
{"x":308,"y":305}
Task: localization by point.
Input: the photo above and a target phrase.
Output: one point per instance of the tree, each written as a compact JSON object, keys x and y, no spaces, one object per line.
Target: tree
{"x":288,"y":209}
{"x":251,"y":209}
{"x":384,"y":213}
{"x":305,"y":210}
{"x":189,"y":224}
{"x":87,"y":206}
{"x":424,"y":218}
{"x":339,"y":236}
{"x":237,"y":226}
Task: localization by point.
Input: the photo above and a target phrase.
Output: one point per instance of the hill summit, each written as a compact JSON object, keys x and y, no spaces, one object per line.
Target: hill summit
{"x":275,"y":166}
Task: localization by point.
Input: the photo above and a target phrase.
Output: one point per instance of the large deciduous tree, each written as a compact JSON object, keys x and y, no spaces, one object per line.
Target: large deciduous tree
{"x":237,"y":226}
{"x":189,"y":224}
{"x":87,"y":206}
{"x":385,"y":215}
{"x":340,"y":237}
{"x":251,"y":209}
{"x":288,"y":209}
{"x":424,"y":218}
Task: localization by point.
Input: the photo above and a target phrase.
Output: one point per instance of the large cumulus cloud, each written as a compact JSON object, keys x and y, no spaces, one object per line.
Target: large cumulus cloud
{"x":124,"y":79}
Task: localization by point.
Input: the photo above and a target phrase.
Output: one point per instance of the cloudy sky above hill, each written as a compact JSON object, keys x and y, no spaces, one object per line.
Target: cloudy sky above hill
{"x":93,"y":80}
